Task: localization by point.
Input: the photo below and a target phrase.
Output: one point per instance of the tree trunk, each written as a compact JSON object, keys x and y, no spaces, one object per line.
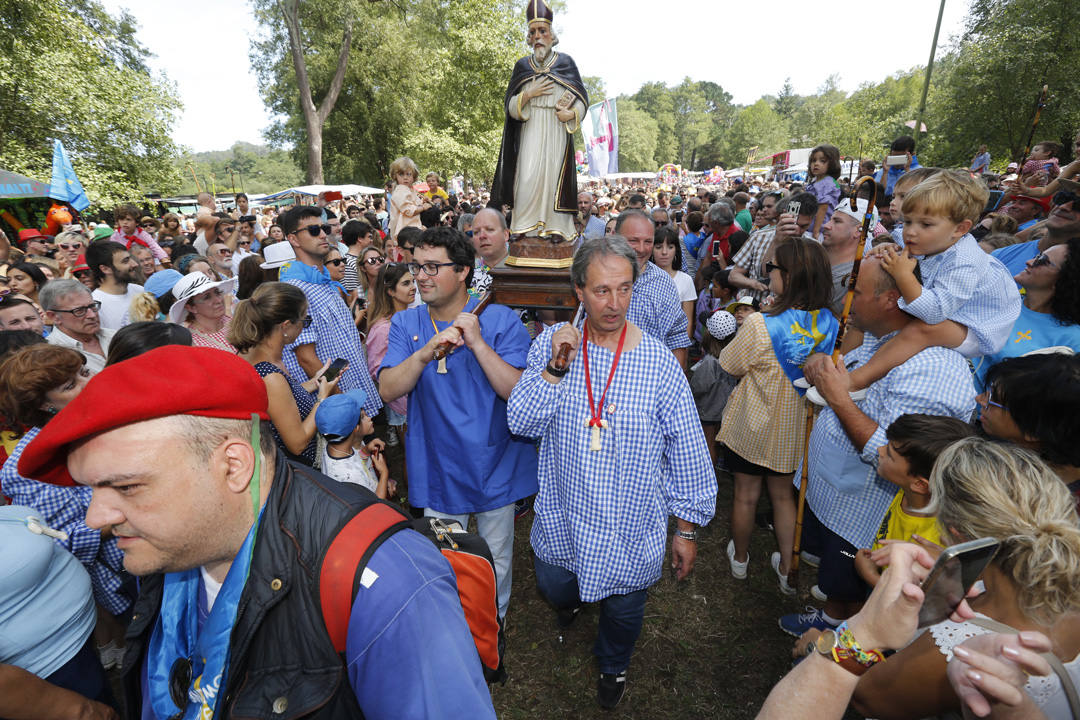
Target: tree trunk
{"x":314,"y":118}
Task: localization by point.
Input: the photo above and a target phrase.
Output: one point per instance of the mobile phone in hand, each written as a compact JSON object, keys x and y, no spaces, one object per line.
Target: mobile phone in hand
{"x":956,"y":570}
{"x":335,"y":369}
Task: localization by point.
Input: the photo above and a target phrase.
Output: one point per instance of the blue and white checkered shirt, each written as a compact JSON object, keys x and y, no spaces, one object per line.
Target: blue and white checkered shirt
{"x":334,"y":334}
{"x":64,"y":508}
{"x":604,"y":515}
{"x":655,"y":307}
{"x":967,"y":286}
{"x":845,"y":492}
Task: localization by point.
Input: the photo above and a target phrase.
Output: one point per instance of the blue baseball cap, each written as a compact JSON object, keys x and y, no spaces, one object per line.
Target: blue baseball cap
{"x":338,"y":415}
{"x":162,"y":282}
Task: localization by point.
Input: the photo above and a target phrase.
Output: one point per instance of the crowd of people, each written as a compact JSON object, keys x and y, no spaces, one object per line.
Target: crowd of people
{"x":195,"y":406}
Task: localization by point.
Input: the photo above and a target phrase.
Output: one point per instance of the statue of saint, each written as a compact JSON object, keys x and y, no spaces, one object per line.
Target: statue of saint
{"x":545,"y":102}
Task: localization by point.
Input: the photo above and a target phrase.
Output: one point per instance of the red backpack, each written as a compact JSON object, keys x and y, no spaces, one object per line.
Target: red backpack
{"x":468,"y":554}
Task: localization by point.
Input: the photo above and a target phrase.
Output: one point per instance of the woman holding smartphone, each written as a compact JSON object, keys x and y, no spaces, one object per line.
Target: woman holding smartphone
{"x":394,"y":290}
{"x":261,"y":327}
{"x":980,"y":488}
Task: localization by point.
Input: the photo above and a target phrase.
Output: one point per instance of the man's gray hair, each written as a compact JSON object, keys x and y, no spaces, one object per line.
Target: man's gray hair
{"x":663,"y":210}
{"x":466,"y":218}
{"x":501,"y":218}
{"x":599,"y":247}
{"x":54,"y":291}
{"x":590,"y":193}
{"x":719,"y":212}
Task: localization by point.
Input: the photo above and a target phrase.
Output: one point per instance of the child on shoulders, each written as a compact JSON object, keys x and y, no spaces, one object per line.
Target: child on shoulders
{"x":914,"y":443}
{"x":966,"y":299}
{"x":405,"y":204}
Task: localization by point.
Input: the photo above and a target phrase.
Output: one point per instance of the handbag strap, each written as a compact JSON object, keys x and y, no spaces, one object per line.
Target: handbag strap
{"x":1056,"y":664}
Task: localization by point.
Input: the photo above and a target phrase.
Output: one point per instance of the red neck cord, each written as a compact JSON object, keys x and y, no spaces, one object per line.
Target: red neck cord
{"x":596,"y":410}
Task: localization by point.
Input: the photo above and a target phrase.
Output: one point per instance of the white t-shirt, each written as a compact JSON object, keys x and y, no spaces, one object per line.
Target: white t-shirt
{"x":114,"y":308}
{"x":356,"y":469}
{"x":685,"y":285}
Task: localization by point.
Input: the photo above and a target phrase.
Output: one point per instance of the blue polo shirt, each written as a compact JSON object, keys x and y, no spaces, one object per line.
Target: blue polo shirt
{"x":461,"y":455}
{"x":1016,"y":256}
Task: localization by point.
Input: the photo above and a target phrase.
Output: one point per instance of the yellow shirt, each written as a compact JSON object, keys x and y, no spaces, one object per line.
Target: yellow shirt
{"x":438,"y":192}
{"x":765,"y":418}
{"x":900,"y":525}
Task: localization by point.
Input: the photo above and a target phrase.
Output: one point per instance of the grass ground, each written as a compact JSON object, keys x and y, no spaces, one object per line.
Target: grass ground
{"x":710,"y":646}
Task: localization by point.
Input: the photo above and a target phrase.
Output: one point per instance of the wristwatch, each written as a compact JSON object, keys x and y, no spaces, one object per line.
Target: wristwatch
{"x":690,"y":535}
{"x":840,"y":646}
{"x":555,"y":372}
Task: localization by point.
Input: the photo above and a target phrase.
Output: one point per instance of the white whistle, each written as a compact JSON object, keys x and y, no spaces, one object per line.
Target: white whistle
{"x":39,"y":528}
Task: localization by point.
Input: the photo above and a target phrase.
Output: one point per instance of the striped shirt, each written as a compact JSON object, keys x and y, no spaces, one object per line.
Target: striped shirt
{"x":751,"y":258}
{"x":655,"y":307}
{"x":845,"y":492}
{"x":604,"y":515}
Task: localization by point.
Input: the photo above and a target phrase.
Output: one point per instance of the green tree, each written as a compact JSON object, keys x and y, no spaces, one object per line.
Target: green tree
{"x":638,"y":133}
{"x":786,"y":100}
{"x":72,"y":71}
{"x":759,"y":126}
{"x":693,"y":125}
{"x":655,"y":99}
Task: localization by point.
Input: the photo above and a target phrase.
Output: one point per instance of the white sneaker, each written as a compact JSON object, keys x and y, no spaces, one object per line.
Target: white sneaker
{"x":810,"y":558}
{"x":818,"y":594}
{"x":738,"y":569}
{"x":784,"y":587}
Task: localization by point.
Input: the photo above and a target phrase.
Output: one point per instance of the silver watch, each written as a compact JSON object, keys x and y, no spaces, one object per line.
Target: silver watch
{"x":690,"y":535}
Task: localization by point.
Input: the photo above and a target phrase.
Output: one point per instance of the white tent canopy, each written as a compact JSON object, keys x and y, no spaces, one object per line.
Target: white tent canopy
{"x":314,"y":190}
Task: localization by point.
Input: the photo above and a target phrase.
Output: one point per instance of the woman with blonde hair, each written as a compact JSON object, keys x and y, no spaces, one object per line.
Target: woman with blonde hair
{"x":980,"y":488}
{"x":262,"y":326}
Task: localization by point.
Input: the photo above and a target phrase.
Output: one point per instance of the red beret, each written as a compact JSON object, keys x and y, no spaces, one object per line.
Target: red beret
{"x":170,"y":380}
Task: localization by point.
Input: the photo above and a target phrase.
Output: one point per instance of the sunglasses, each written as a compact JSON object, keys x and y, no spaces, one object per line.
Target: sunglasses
{"x":148,"y":225}
{"x":1064,"y":197}
{"x":374,"y":260}
{"x":81,"y":311}
{"x":243,"y":242}
{"x":1042,"y":259}
{"x":335,"y":263}
{"x":306,"y":322}
{"x":316,"y":230}
{"x":769,"y":267}
{"x":660,"y":223}
{"x":71,"y":246}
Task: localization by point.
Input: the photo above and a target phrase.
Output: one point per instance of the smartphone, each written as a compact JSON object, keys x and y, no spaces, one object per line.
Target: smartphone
{"x":896,"y":160}
{"x":956,"y":570}
{"x":794,"y":207}
{"x":335,"y":369}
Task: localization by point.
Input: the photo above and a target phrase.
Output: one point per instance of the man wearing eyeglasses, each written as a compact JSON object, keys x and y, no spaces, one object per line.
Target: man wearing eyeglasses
{"x":73,"y":313}
{"x":1062,"y":223}
{"x":461,"y":456}
{"x":332,"y":333}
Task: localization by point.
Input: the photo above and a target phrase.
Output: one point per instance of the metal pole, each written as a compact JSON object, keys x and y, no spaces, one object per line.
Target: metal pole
{"x":929,"y":70}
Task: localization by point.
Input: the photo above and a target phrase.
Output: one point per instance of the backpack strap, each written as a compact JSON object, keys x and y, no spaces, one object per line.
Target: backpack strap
{"x":349,"y":552}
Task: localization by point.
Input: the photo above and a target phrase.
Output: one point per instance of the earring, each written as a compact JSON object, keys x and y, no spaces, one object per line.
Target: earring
{"x":51,"y":409}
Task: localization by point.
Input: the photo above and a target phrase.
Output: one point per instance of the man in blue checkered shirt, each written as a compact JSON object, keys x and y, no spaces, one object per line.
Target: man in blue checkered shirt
{"x":621,"y":449}
{"x":655,"y":306}
{"x":332,"y":333}
{"x":847,"y":498}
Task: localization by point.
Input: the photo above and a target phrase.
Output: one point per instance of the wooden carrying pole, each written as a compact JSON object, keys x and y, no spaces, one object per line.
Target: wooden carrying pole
{"x":868,"y":218}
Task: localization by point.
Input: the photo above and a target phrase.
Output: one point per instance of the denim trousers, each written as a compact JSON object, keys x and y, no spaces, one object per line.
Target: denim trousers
{"x":621,"y":616}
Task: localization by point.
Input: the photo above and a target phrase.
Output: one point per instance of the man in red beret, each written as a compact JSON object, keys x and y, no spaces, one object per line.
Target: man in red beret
{"x":33,"y":242}
{"x":228,"y":538}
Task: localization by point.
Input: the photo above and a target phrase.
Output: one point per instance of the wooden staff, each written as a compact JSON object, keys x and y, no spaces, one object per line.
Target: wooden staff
{"x":1039,"y":105}
{"x":445,"y":347}
{"x":562,"y":358}
{"x":868,"y":218}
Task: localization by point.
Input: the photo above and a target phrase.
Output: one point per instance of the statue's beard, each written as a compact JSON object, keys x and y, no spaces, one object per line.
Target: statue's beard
{"x":541,"y":52}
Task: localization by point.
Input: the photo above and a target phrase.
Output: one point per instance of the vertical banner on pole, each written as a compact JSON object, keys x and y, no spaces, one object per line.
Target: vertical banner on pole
{"x":601,"y":133}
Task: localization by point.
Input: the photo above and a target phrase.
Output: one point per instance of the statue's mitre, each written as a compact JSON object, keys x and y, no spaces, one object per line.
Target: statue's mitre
{"x":538,"y":11}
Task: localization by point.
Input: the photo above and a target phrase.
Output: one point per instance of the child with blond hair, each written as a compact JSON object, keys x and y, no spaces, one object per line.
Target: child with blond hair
{"x":966,"y":299}
{"x":405,"y":203}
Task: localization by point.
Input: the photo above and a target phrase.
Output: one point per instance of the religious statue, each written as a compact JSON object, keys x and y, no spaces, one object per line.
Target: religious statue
{"x":536,"y":174}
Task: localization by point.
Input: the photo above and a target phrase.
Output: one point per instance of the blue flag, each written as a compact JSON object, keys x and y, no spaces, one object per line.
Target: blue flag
{"x":65,"y":185}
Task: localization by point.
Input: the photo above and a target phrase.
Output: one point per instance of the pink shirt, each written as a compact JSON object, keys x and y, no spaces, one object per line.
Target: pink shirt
{"x":378,"y":339}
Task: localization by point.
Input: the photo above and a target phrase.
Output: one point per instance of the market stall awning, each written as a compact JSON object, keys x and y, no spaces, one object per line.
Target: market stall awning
{"x":314,"y":190}
{"x":14,"y":186}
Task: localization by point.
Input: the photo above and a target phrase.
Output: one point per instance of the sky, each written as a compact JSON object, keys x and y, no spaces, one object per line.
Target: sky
{"x":747,"y":49}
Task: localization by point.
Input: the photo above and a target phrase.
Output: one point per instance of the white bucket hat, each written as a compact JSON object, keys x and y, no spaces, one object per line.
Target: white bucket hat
{"x":191,"y":285}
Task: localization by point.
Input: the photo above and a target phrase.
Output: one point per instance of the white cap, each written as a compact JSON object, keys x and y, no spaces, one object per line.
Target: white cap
{"x":277,"y":255}
{"x":192,"y":284}
{"x":721,"y":324}
{"x":844,"y":208}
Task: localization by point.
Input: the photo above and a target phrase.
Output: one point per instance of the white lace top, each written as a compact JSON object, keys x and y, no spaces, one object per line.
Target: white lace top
{"x":1046,"y":690}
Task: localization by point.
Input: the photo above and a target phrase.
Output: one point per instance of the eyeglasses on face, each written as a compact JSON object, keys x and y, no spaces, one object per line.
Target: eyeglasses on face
{"x":374,"y":260}
{"x":335,"y":262}
{"x":431,"y":269}
{"x":81,"y":310}
{"x":769,"y":267}
{"x":71,"y":246}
